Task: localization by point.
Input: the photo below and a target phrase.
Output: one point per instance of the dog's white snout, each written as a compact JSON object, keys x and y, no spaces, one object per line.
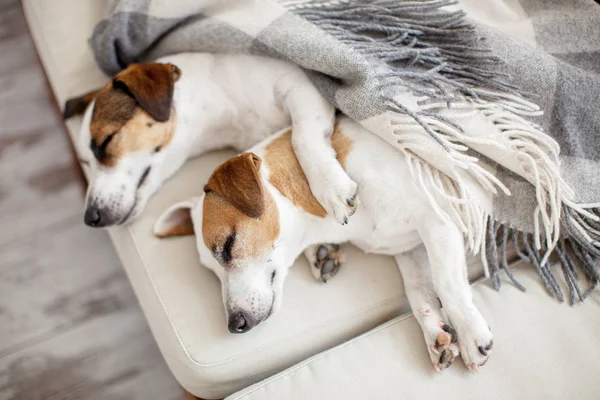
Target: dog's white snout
{"x":101,"y":214}
{"x":249,"y":297}
{"x":111,"y":199}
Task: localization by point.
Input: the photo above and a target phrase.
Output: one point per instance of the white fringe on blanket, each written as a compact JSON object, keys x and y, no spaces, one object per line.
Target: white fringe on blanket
{"x":454,"y":117}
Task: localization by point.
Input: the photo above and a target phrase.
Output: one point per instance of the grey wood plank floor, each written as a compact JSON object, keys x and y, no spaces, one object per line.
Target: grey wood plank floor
{"x":70,"y":325}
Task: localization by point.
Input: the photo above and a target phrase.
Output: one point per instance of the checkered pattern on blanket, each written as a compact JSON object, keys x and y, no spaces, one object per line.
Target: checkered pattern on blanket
{"x":417,"y":73}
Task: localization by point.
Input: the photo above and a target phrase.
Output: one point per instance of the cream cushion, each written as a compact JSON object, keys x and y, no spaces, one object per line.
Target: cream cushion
{"x":542,"y":350}
{"x":180,"y":298}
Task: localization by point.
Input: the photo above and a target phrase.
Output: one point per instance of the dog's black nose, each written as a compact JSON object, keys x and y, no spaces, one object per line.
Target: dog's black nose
{"x":238,"y":323}
{"x":93,"y":217}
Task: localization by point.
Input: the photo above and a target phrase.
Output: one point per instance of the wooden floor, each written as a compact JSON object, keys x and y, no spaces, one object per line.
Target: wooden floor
{"x":70,"y":326}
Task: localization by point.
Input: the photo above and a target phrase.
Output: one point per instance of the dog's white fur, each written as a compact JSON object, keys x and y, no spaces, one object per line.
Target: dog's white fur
{"x":393,"y":218}
{"x":222,"y":101}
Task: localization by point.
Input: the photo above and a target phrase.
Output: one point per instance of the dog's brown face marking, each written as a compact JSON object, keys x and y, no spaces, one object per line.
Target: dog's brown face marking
{"x":287,"y":176}
{"x":240,"y":219}
{"x":134,"y":112}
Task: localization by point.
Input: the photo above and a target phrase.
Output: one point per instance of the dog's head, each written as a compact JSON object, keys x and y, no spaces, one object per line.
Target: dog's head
{"x":131,"y":123}
{"x":237,"y":226}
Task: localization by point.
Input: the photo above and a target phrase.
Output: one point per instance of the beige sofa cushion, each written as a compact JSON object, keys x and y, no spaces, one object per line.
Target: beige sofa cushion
{"x":542,"y":350}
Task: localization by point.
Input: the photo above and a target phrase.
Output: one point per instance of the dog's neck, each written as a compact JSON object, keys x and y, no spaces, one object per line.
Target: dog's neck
{"x":195,"y":121}
{"x":194,"y":118}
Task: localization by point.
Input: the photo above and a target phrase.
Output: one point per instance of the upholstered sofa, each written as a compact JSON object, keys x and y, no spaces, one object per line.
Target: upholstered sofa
{"x":353,"y":338}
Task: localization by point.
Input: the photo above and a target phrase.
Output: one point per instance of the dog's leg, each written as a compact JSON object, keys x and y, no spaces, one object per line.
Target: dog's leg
{"x":313,"y":119}
{"x":439,"y":336}
{"x":324,"y":260}
{"x":445,"y":249}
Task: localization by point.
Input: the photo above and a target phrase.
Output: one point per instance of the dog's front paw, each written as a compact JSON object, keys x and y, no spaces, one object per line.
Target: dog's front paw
{"x":442,"y":346}
{"x":338,"y":194}
{"x":475,"y":343}
{"x":325,"y":261}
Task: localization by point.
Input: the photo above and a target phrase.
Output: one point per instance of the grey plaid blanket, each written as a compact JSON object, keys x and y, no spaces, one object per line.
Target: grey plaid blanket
{"x":501,"y":95}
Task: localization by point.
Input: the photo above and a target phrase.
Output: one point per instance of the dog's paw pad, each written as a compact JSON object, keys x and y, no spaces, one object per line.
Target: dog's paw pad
{"x":444,"y":349}
{"x":328,"y":260}
{"x":450,"y":331}
{"x":445,"y":360}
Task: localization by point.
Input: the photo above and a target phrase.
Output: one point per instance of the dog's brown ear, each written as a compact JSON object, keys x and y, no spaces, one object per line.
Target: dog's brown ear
{"x":151,"y":85}
{"x":238,"y":182}
{"x":77,"y":105}
{"x":177,"y":220}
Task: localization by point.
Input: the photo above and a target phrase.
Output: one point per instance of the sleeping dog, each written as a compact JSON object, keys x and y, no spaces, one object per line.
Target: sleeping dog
{"x":257,"y":214}
{"x":143,"y":125}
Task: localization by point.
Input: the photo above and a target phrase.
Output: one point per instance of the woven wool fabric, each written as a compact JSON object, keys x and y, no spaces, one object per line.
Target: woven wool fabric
{"x":514,"y":114}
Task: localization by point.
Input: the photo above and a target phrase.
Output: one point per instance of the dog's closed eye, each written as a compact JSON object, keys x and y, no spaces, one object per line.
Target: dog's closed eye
{"x":226,"y":252}
{"x":100,"y":150}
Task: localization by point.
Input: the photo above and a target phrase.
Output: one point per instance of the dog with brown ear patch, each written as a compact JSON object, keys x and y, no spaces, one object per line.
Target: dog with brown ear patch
{"x":141,"y":127}
{"x":256,"y":217}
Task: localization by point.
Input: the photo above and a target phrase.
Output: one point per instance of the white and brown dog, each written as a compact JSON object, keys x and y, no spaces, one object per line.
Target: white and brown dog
{"x":150,"y":118}
{"x":257,"y":214}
